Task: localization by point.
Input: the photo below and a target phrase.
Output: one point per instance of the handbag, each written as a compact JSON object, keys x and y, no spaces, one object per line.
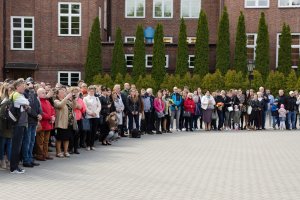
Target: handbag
{"x":249,"y":110}
{"x":86,"y":126}
{"x":186,"y":114}
{"x":230,"y":109}
{"x":160,"y":114}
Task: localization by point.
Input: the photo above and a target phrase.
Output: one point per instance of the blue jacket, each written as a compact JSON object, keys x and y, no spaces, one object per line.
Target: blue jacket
{"x":177,"y":99}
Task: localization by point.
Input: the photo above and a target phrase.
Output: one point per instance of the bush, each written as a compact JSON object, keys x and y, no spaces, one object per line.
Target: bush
{"x":186,"y":80}
{"x":146,"y":82}
{"x":196,"y":81}
{"x":103,"y":80}
{"x":234,"y":80}
{"x":213,"y":82}
{"x":128,"y":79}
{"x":170,"y":81}
{"x":291,"y":81}
{"x":275,"y":81}
{"x":119,"y":79}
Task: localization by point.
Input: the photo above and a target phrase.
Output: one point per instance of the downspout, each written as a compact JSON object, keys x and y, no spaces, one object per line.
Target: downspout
{"x":108,"y":23}
{"x":4,"y":39}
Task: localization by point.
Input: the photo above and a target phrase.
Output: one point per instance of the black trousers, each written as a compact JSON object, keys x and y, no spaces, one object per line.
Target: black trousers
{"x":188,"y":122}
{"x":74,"y":140}
{"x":148,"y":121}
{"x":132,"y":117}
{"x":18,"y":134}
{"x":91,"y":135}
{"x":157,"y":123}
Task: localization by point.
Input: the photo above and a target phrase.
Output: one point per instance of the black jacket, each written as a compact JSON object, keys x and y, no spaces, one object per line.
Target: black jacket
{"x":105,"y":102}
{"x":291,"y":104}
{"x":35,"y":105}
{"x":132,"y":106}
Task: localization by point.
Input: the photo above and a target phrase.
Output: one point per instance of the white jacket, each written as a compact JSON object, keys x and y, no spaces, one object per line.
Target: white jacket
{"x":93,"y":105}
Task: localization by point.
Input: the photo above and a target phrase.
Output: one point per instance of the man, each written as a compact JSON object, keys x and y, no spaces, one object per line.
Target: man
{"x":34,"y":115}
{"x":176,"y":107}
{"x":291,"y":108}
{"x":270,"y":104}
{"x":126,"y":90}
{"x":148,"y":101}
{"x":20,"y":129}
{"x":265,"y":108}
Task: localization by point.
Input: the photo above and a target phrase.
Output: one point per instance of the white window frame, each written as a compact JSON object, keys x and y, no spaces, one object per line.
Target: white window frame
{"x":252,"y":46}
{"x":129,"y":66}
{"x":190,"y":39}
{"x":163,"y":10}
{"x":135,"y":6}
{"x":130,"y":37}
{"x":170,"y":38}
{"x":22,"y":29}
{"x":190,"y":6}
{"x":256,"y":5}
{"x":191,"y":56}
{"x":278,"y":46}
{"x":289,"y":6}
{"x":69,"y":75}
{"x":150,"y":66}
{"x":69,"y":15}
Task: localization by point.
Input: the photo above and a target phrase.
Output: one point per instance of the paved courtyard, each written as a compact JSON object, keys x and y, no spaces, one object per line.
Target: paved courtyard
{"x":184,"y":166}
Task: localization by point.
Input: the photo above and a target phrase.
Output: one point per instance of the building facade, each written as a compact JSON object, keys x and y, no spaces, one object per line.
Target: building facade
{"x":48,"y":39}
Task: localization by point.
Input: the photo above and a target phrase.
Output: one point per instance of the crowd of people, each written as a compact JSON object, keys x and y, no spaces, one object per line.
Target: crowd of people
{"x":34,"y":116}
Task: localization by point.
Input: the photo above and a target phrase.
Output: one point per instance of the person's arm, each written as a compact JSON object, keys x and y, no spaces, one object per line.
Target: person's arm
{"x":98,"y":105}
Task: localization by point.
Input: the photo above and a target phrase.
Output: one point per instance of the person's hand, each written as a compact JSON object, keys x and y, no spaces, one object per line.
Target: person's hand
{"x":109,"y":105}
{"x":39,"y":117}
{"x":69,"y":96}
{"x":53,"y":118}
{"x":49,"y":94}
{"x":94,"y":114}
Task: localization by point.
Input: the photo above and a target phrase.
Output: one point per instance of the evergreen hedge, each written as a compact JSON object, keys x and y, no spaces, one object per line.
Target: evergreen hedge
{"x":118,"y":57}
{"x":240,"y":54}
{"x":182,"y":58}
{"x":285,"y":50}
{"x":139,"y":67}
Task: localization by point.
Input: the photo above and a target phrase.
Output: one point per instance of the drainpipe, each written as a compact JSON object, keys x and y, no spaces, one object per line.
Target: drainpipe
{"x":4,"y":38}
{"x":108,"y":23}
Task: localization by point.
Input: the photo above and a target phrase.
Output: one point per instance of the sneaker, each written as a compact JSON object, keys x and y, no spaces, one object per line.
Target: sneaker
{"x":183,"y":129}
{"x":67,"y":155}
{"x":60,"y":155}
{"x":3,"y":164}
{"x":18,"y":171}
{"x":93,"y":148}
{"x":88,"y":148}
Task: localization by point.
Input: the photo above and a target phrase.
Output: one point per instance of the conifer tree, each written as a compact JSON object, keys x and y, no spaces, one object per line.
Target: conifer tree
{"x":182,"y":51}
{"x":93,"y":65}
{"x":118,"y":59}
{"x":139,"y":67}
{"x":223,"y":44}
{"x":285,"y":50}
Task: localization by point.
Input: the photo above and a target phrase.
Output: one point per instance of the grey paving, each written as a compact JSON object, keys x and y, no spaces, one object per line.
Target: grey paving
{"x":200,"y":165}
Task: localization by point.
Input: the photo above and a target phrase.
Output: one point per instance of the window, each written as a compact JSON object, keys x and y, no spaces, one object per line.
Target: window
{"x":191,"y":40}
{"x":190,"y":8}
{"x":129,"y":60}
{"x":256,"y":3}
{"x":149,"y":61}
{"x":130,"y":39}
{"x":22,"y":33}
{"x":135,"y":8}
{"x":251,"y":46}
{"x":295,"y":49}
{"x":162,"y":8}
{"x":191,"y":61}
{"x":168,"y":40}
{"x":69,"y":77}
{"x":69,"y":19}
{"x":288,"y":3}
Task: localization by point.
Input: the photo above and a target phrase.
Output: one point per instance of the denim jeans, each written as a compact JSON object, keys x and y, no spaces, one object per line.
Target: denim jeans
{"x":28,"y":143}
{"x":275,"y":121}
{"x":221,"y":118}
{"x":195,"y":121}
{"x":5,"y":141}
{"x":263,"y":118}
{"x":175,"y":113}
{"x":291,"y":120}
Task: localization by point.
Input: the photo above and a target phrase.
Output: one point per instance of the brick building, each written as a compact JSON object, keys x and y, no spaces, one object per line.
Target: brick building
{"x":48,"y":39}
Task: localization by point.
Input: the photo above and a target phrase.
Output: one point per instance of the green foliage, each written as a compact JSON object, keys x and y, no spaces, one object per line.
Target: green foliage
{"x":93,"y":65}
{"x":291,"y":81}
{"x":262,"y":48}
{"x":234,"y":80}
{"x":298,"y":84}
{"x":240,"y":54}
{"x":223,"y":44}
{"x":139,"y":67}
{"x":128,"y":79}
{"x":186,"y":80}
{"x":158,"y":68}
{"x":103,"y":80}
{"x":119,"y":79}
{"x":285,"y":50}
{"x":202,"y":46}
{"x":118,"y":59}
{"x":275,"y":81}
{"x":195,"y":82}
{"x":182,"y":51}
{"x":213,"y":82}
{"x":146,"y":82}
{"x":170,"y":81}
{"x":258,"y":80}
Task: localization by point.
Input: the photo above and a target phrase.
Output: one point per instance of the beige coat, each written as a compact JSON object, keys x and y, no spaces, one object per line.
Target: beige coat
{"x":61,"y":110}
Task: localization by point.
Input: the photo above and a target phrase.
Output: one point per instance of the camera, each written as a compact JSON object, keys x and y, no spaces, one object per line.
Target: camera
{"x":73,"y":96}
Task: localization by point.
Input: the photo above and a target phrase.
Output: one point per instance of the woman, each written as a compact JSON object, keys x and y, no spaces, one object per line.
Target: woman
{"x":253,"y":120}
{"x":159,"y":107}
{"x":167,"y":118}
{"x":189,"y":110}
{"x":207,"y":104}
{"x":5,"y":131}
{"x":105,"y":110}
{"x":47,"y":124}
{"x":118,"y":107}
{"x":93,"y":108}
{"x":64,"y":120}
{"x":198,"y":111}
{"x":133,"y":109}
{"x":79,"y":114}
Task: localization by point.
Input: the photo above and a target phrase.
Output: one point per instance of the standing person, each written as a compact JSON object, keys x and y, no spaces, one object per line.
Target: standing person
{"x":243,"y":107}
{"x":270,"y":103}
{"x":261,"y":107}
{"x":123,"y":98}
{"x":159,"y":106}
{"x":47,"y":124}
{"x":208,"y":103}
{"x":34,"y":115}
{"x":282,"y":116}
{"x":93,"y":108}
{"x":118,"y":107}
{"x":167,"y":118}
{"x":20,"y":128}
{"x":176,"y":107}
{"x":189,"y":107}
{"x":148,"y":110}
{"x":64,"y":120}
{"x":5,"y":130}
{"x":220,"y":100}
{"x":105,"y":110}
{"x":291,"y":111}
{"x":199,"y":90}
{"x":265,"y":108}
{"x":133,"y":110}
{"x":282,"y":99}
{"x":275,"y":114}
{"x":197,"y":100}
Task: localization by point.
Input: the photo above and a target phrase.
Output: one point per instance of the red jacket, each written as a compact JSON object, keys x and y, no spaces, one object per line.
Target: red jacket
{"x":189,"y":105}
{"x":48,"y":112}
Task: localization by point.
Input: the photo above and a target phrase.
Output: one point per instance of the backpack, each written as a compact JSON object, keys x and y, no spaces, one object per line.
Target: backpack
{"x":12,"y":114}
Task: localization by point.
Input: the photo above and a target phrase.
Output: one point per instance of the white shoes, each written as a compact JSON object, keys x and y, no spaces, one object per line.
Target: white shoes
{"x":88,"y":148}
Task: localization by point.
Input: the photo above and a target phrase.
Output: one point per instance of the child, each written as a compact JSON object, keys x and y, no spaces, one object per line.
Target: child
{"x":112,"y":120}
{"x":275,"y":114}
{"x":236,"y":117}
{"x":282,"y":116}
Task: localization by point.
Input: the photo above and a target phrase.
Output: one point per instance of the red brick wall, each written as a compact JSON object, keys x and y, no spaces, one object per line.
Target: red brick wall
{"x":275,"y":18}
